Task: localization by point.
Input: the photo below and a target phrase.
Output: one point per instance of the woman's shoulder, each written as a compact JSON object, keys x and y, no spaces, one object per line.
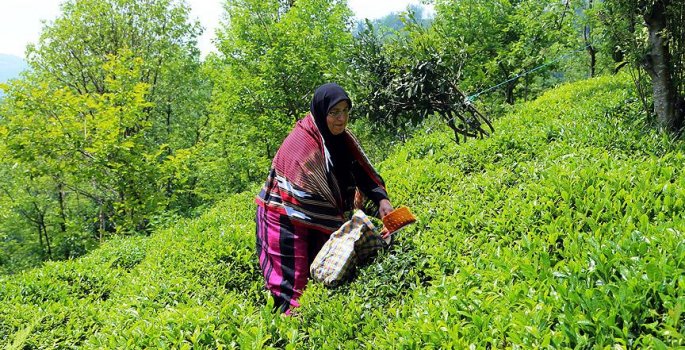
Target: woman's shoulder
{"x":302,"y":142}
{"x":304,"y":134}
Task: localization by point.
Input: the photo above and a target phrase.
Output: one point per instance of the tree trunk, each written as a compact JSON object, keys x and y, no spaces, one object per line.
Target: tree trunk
{"x":43,"y":231}
{"x":62,"y":209}
{"x":40,"y":237}
{"x":47,"y":238}
{"x":657,"y":64}
{"x":593,"y":60}
{"x":101,"y":219}
{"x":169,"y":183}
{"x":587,"y":35}
{"x":509,"y":92}
{"x":453,"y":126}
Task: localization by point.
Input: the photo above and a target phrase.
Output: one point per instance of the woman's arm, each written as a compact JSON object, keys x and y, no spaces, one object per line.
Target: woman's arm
{"x":372,"y":190}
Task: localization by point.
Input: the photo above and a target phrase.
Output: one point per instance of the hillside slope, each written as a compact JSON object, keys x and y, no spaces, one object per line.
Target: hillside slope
{"x":564,"y":229}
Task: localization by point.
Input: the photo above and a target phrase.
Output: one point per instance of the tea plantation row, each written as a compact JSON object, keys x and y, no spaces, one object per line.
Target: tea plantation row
{"x":564,"y":230}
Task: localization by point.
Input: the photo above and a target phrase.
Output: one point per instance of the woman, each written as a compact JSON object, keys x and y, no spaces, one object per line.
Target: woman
{"x":311,"y":188}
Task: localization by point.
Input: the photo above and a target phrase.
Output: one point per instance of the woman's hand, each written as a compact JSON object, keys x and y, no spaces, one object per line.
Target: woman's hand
{"x":384,"y":208}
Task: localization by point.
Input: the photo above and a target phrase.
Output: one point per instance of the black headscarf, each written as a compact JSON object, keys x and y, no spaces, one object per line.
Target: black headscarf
{"x":325,"y":97}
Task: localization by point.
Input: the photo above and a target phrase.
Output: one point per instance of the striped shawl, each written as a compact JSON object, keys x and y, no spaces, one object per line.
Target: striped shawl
{"x":301,"y":184}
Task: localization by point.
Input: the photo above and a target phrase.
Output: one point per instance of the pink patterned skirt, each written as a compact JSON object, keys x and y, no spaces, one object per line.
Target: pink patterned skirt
{"x":285,"y":250}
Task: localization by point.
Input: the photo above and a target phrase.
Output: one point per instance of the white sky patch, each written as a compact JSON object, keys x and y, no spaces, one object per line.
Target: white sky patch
{"x":374,"y":9}
{"x":20,"y":23}
{"x":209,"y":13}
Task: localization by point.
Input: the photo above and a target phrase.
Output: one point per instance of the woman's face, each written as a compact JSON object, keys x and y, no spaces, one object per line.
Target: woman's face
{"x":337,"y":117}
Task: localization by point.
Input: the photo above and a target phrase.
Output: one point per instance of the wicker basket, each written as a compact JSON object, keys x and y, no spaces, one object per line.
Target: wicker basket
{"x":396,"y":220}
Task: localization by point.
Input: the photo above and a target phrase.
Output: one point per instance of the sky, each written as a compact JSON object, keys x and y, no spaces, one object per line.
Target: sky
{"x":20,"y":20}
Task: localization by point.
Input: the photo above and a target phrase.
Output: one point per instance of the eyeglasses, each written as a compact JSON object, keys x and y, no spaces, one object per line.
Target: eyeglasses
{"x":339,"y":113}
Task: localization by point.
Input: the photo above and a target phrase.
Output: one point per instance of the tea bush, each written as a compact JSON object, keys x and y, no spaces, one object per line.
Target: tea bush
{"x":564,"y":229}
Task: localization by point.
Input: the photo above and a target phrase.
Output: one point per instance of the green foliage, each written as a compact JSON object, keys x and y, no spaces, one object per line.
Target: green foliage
{"x":100,"y":134}
{"x":409,"y":77}
{"x":74,"y":49}
{"x":272,"y":57}
{"x":623,"y":21}
{"x":481,"y":49}
{"x":75,"y":160}
{"x":195,"y":277}
{"x":560,"y":187}
{"x":563,"y":230}
{"x":649,"y":35}
{"x":92,"y":144}
{"x":502,"y":39}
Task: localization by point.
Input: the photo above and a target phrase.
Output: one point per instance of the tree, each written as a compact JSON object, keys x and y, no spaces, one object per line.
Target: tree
{"x":73,"y":50}
{"x":90,"y":145}
{"x":501,"y":39}
{"x":97,"y":131}
{"x":272,"y":55}
{"x":661,"y":53}
{"x":410,"y":77}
